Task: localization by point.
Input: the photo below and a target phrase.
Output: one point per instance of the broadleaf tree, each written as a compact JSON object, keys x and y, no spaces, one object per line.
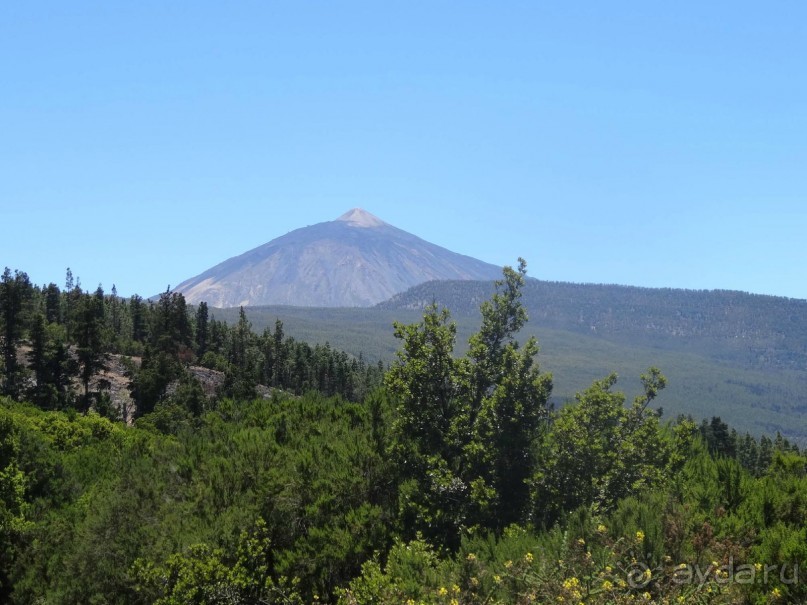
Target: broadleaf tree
{"x":466,"y":428}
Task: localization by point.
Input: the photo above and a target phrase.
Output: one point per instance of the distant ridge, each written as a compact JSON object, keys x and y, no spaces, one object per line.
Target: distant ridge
{"x":753,"y":329}
{"x":357,"y":260}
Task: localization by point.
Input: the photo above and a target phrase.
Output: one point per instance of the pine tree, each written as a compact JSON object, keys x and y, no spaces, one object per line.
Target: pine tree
{"x":240,"y":378}
{"x":37,"y":359}
{"x":137,"y":310}
{"x":765,"y":454}
{"x":280,"y":356}
{"x":15,"y":295}
{"x":115,"y":317}
{"x":53,"y":312}
{"x":201,"y":329}
{"x":89,"y":338}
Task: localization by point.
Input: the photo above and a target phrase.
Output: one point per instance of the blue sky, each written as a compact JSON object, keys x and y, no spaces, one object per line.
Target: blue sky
{"x":642,"y":143}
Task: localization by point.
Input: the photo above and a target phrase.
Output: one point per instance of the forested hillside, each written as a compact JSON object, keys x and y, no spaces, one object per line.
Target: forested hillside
{"x":57,"y":347}
{"x":739,"y":356}
{"x":755,"y":330}
{"x":451,"y":480}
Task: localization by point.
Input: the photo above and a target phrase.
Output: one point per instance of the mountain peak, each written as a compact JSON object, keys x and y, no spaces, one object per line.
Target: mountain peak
{"x":357,"y":260}
{"x":357,"y":217}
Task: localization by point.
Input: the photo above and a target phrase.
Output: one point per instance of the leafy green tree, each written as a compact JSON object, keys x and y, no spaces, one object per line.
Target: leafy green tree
{"x":13,"y":505}
{"x":212,"y":576}
{"x":598,"y":450}
{"x":466,"y":429}
{"x":189,"y":394}
{"x":426,"y":384}
{"x":149,"y":385}
{"x":508,"y":402}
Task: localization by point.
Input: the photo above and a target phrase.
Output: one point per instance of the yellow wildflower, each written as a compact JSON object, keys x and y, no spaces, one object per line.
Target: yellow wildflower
{"x":443,"y":591}
{"x":640,"y":536}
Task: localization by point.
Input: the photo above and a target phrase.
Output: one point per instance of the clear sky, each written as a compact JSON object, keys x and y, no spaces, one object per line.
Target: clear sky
{"x":641,"y":143}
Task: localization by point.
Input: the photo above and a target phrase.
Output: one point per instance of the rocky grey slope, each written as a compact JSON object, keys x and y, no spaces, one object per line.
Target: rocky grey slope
{"x":357,"y":260}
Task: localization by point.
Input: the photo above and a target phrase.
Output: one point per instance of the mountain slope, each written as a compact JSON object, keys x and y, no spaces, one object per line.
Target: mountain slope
{"x":357,"y":260}
{"x":751,"y":329}
{"x":713,"y":374}
{"x":739,"y":356}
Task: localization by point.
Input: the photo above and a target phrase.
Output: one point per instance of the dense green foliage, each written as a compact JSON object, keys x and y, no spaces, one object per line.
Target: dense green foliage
{"x":453,"y":482}
{"x":70,"y":337}
{"x":465,"y":428}
{"x":738,"y":356}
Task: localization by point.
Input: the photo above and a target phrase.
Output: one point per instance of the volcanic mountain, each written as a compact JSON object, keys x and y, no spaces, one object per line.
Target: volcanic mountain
{"x":357,"y":260}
